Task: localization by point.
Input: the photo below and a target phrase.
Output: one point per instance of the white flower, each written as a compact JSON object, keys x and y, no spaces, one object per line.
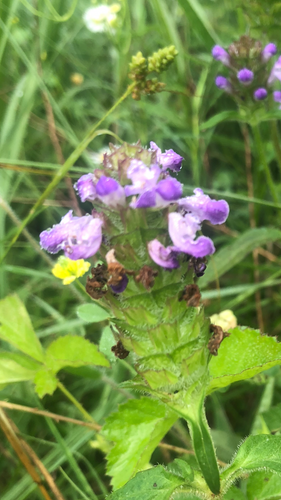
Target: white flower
{"x":225,"y":320}
{"x":98,"y":157}
{"x":101,"y":17}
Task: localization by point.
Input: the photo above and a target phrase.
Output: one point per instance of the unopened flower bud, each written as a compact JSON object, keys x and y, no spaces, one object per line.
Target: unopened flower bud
{"x":221,"y":55}
{"x":269,"y":50}
{"x":161,"y":60}
{"x":260,"y":94}
{"x":223,"y":84}
{"x":245,"y":76}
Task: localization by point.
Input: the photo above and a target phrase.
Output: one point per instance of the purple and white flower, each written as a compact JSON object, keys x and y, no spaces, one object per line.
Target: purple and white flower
{"x":260,"y":94}
{"x":182,"y":230}
{"x":275,"y":72}
{"x":220,"y":54}
{"x":245,"y":76}
{"x":78,"y":237}
{"x":142,"y":177}
{"x":169,"y":159}
{"x":223,"y":84}
{"x":269,"y":50}
{"x":277,"y":97}
{"x":202,"y":207}
{"x":164,"y":257}
{"x":168,"y":190}
{"x":110,"y":192}
{"x":86,"y":187}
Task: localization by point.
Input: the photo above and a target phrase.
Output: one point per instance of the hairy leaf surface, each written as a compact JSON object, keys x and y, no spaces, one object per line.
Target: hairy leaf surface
{"x":264,"y":486}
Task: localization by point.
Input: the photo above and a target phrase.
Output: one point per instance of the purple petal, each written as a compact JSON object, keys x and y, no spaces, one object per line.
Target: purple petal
{"x":269,"y":50}
{"x":110,"y":192}
{"x":79,"y":237}
{"x":169,"y":189}
{"x":142,"y":177}
{"x":245,"y":76}
{"x":223,"y":84}
{"x":275,"y":72}
{"x":277,"y":96}
{"x":182,"y":229}
{"x":204,"y":208}
{"x":260,"y":94}
{"x":145,"y":200}
{"x":221,"y":55}
{"x":199,"y":248}
{"x":122,"y":285}
{"x":164,"y":257}
{"x":171,"y":160}
{"x":86,"y":187}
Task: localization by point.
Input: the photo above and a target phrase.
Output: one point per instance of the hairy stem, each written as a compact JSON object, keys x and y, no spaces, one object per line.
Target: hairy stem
{"x":76,"y":403}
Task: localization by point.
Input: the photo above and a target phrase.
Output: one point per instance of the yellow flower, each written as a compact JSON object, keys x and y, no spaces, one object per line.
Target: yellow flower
{"x":77,"y":78}
{"x":225,"y":320}
{"x":68,"y":270}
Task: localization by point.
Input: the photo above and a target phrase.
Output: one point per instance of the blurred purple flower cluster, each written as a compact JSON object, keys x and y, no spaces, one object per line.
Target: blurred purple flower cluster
{"x":146,"y":186}
{"x":253,"y":78}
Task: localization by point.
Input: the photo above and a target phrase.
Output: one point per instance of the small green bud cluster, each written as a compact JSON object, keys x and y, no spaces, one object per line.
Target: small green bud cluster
{"x":140,"y":67}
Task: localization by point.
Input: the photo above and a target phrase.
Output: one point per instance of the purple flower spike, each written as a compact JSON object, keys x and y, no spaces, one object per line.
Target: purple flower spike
{"x":183,"y":230}
{"x":260,"y":94}
{"x":277,"y":97}
{"x":110,"y":192}
{"x":223,"y":84}
{"x":122,"y":285}
{"x":245,"y":76}
{"x":169,"y":159}
{"x":142,"y":177}
{"x":169,"y":190}
{"x":202,"y":207}
{"x":275,"y":72}
{"x":78,"y":237}
{"x":85,"y":186}
{"x":164,"y":257}
{"x":221,"y":55}
{"x":269,"y":50}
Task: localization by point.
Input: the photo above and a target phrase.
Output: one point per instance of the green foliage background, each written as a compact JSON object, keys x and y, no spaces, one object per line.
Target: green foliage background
{"x":38,"y":54}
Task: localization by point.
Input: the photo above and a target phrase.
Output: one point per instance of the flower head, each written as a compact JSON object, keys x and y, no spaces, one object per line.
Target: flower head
{"x":182,"y":230}
{"x":86,"y":188}
{"x":245,"y":76}
{"x":221,"y":55}
{"x":203,"y":207}
{"x":101,"y":17}
{"x":223,"y":84}
{"x":169,"y":159}
{"x":269,"y":50}
{"x":164,"y":257}
{"x":68,"y":270}
{"x":260,"y":94}
{"x":78,"y":237}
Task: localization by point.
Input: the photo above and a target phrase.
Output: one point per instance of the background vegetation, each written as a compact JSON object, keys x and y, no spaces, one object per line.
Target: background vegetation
{"x":45,"y":112}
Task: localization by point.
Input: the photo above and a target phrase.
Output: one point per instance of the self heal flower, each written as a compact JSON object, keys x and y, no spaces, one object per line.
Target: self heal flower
{"x":223,"y":84}
{"x":221,"y":55}
{"x":169,"y":190}
{"x":85,"y":186}
{"x":110,"y":192}
{"x":164,"y":257}
{"x":203,"y":207}
{"x":269,"y":50}
{"x":182,"y":230}
{"x":78,"y":237}
{"x":245,"y":76}
{"x":260,"y":94}
{"x":169,"y":159}
{"x":275,"y":72}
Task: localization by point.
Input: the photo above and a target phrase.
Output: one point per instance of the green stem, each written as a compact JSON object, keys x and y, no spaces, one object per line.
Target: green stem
{"x":276,"y":141}
{"x":76,"y":403}
{"x":262,"y":158}
{"x":65,"y":168}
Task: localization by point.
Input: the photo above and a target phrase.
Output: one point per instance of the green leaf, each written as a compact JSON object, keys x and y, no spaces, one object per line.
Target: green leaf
{"x":241,"y":356}
{"x":92,"y":313}
{"x":272,"y":418}
{"x":152,"y":484}
{"x":221,"y":117}
{"x":16,"y":327}
{"x":255,"y":453}
{"x":264,"y":485}
{"x":137,"y":428}
{"x":16,"y":367}
{"x":107,"y":340}
{"x":181,"y":468}
{"x":199,"y":22}
{"x":73,"y":351}
{"x":45,"y":382}
{"x":232,"y":254}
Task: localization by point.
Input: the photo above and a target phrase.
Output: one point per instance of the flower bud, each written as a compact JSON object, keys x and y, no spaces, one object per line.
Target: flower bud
{"x":260,"y":94}
{"x":221,"y":55}
{"x":223,"y":84}
{"x":245,"y":76}
{"x":269,"y":50}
